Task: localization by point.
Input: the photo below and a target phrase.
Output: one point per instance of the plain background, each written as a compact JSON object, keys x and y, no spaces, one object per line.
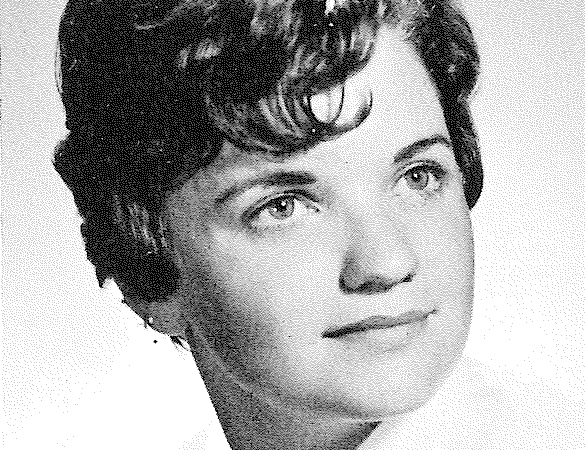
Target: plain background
{"x":79,"y":369}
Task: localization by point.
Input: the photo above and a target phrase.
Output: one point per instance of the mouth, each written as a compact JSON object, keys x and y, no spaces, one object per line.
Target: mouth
{"x":377,"y":323}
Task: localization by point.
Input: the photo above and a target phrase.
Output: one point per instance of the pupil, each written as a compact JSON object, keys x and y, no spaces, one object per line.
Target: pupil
{"x":282,"y":208}
{"x":418,"y":179}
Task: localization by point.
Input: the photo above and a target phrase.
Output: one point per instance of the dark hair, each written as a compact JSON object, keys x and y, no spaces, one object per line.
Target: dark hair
{"x":152,"y":90}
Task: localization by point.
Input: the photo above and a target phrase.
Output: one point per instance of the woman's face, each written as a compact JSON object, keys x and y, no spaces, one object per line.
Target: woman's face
{"x":295,"y":271}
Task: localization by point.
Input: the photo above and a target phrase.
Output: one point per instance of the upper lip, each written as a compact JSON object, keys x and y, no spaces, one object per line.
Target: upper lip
{"x":377,"y":322}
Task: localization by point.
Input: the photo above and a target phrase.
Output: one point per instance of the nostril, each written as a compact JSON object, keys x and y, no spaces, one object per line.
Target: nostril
{"x":373,"y":285}
{"x":343,"y":286}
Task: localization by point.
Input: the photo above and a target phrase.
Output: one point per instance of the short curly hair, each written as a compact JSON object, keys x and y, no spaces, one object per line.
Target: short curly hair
{"x":153,"y":89}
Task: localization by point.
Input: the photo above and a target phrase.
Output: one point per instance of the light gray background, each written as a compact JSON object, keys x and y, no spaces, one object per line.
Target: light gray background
{"x":80,"y":369}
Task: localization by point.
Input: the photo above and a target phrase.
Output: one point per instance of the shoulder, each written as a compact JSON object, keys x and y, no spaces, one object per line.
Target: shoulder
{"x":480,"y":408}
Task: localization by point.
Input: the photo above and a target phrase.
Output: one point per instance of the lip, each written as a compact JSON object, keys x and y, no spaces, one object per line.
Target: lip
{"x":377,"y":323}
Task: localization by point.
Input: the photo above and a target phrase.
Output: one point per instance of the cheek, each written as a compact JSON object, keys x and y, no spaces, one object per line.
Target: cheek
{"x":443,"y":241}
{"x":265,"y":307}
{"x":447,"y":252}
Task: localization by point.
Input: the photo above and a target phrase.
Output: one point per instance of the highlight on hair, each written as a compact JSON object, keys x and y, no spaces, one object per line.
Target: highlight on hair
{"x":153,"y":89}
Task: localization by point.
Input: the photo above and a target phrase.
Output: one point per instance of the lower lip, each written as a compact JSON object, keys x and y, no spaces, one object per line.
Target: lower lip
{"x":387,"y":339}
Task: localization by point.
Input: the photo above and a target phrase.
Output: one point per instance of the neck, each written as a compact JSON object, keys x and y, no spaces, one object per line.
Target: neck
{"x":252,"y":423}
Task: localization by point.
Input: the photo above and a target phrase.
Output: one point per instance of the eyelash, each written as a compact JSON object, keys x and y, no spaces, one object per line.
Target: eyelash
{"x":255,"y":212}
{"x":430,"y":167}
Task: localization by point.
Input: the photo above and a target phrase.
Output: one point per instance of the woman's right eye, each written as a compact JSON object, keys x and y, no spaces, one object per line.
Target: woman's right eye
{"x":280,"y":212}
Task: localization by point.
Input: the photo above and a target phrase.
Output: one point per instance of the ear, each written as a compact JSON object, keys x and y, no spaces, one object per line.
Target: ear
{"x":166,"y":316}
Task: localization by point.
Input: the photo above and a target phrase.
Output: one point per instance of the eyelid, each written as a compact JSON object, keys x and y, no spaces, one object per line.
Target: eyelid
{"x":427,"y":163}
{"x":436,"y":167}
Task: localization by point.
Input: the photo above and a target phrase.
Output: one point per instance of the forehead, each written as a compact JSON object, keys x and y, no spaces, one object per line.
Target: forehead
{"x":405,"y":107}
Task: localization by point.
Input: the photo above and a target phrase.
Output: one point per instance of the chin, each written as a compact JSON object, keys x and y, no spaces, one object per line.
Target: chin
{"x":383,"y":392}
{"x":382,"y":407}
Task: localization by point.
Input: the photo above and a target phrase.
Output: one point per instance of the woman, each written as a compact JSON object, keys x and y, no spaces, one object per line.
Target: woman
{"x":286,"y":186}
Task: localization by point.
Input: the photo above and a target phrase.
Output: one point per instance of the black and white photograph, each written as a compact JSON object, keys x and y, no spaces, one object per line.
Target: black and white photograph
{"x":293,"y":224}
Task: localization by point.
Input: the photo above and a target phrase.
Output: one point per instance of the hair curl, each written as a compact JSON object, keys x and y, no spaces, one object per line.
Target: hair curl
{"x":152,"y":90}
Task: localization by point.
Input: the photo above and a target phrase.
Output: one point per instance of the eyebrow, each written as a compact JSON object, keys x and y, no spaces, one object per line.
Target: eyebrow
{"x":280,"y":178}
{"x":300,"y":178}
{"x":420,"y":146}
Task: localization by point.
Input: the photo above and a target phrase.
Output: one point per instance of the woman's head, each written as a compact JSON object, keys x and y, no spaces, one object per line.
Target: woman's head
{"x":277,"y":171}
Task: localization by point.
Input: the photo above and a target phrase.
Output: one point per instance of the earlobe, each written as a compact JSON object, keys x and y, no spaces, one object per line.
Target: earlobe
{"x":165,"y":316}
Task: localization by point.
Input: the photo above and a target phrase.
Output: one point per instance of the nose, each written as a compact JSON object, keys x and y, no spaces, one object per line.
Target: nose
{"x":378,"y":257}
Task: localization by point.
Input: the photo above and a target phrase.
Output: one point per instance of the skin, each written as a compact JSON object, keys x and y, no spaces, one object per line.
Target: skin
{"x":265,"y":271}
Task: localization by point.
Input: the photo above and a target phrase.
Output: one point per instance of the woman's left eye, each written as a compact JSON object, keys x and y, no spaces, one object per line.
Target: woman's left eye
{"x":424,"y":179}
{"x":280,"y":211}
